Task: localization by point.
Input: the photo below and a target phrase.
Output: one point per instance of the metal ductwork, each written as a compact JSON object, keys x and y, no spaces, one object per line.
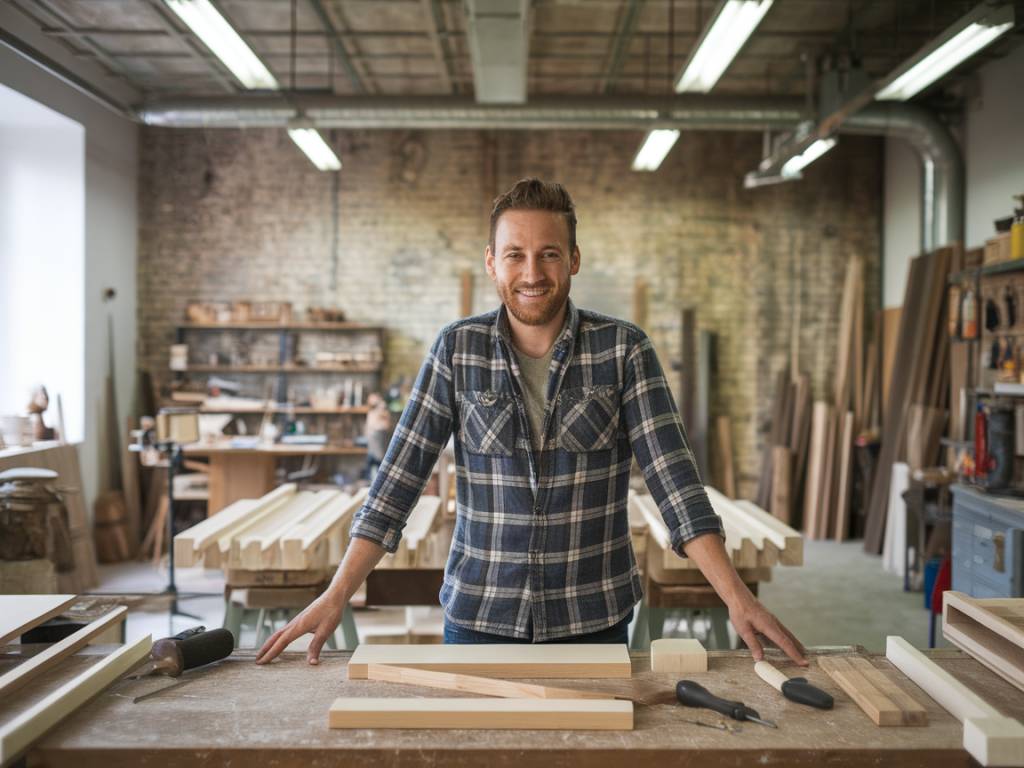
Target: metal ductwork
{"x":942,"y":169}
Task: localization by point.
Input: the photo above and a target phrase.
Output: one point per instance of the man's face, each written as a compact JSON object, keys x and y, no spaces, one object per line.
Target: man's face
{"x":531,"y":265}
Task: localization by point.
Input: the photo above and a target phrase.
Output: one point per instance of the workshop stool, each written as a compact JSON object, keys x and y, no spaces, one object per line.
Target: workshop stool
{"x":263,"y":608}
{"x":681,"y":603}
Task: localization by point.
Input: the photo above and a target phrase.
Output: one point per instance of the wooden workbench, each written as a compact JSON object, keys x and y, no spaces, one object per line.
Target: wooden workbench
{"x":239,"y":714}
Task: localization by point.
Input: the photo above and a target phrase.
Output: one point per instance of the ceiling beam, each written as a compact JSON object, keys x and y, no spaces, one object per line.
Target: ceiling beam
{"x":340,"y":52}
{"x":434,"y":15}
{"x":623,"y":39}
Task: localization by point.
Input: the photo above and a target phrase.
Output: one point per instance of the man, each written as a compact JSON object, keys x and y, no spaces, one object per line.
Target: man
{"x":548,"y":405}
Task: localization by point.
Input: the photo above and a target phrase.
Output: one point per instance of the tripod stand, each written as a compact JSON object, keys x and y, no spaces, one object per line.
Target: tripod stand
{"x":175,"y":459}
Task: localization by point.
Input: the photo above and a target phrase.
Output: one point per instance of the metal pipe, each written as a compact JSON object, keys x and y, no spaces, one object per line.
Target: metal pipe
{"x":942,"y":194}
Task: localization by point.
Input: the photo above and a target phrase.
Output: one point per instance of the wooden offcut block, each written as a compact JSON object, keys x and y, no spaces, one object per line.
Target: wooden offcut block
{"x":881,"y":697}
{"x":584,"y":660}
{"x":493,"y":714}
{"x":678,"y":655}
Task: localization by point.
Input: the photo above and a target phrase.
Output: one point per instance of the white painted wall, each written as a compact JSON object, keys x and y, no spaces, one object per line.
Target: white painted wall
{"x":994,"y":147}
{"x":111,"y":170}
{"x":42,"y":258}
{"x":901,"y":218}
{"x":993,"y":150}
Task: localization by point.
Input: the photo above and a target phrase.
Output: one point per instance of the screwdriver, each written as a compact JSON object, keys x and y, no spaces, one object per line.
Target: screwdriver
{"x":691,"y":694}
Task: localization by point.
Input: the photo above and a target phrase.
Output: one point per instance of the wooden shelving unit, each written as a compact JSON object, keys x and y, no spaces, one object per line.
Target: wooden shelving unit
{"x":299,"y":369}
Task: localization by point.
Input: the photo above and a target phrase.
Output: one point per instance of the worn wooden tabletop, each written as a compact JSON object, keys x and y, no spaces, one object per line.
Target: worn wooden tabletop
{"x":238,"y":714}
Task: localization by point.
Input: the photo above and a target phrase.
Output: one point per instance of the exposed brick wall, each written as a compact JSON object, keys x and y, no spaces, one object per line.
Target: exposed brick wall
{"x":232,"y":214}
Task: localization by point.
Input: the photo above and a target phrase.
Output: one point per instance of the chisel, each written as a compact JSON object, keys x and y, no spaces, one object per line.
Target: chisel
{"x":693,"y":694}
{"x":793,"y":688}
{"x":187,"y":650}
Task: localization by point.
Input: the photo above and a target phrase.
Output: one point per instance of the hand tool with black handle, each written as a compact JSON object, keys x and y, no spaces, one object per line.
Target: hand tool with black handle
{"x":793,"y":688}
{"x":188,"y":650}
{"x":693,"y":694}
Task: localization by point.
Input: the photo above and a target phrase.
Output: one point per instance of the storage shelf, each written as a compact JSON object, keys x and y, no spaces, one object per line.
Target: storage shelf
{"x":346,"y":326}
{"x":360,"y":368}
{"x":297,"y":410}
{"x":1003,"y":267}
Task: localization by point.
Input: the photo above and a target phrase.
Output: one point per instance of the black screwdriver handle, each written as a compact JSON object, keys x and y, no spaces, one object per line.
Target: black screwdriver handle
{"x":799,"y":690}
{"x":691,"y":694}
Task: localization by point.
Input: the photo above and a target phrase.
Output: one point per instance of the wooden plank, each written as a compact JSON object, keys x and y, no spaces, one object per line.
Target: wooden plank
{"x":19,"y":613}
{"x":789,"y":542}
{"x":725,"y":461}
{"x":49,"y":658}
{"x":500,"y":660}
{"x":302,"y":546}
{"x":491,"y":714}
{"x":815,"y":467}
{"x":782,"y":474}
{"x":260,"y":545}
{"x":989,"y":736}
{"x":826,"y":501}
{"x":640,"y":302}
{"x":466,"y":293}
{"x":874,"y":691}
{"x":842,"y":523}
{"x":486,"y":686}
{"x":18,"y":734}
{"x":992,"y":631}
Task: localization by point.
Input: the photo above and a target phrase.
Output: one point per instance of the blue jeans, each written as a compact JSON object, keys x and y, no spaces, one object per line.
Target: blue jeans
{"x":619,"y":633}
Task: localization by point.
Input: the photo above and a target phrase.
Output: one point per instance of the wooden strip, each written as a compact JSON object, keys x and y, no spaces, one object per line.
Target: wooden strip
{"x":301,"y":546}
{"x":725,"y":461}
{"x":815,"y":467}
{"x":487,"y":686}
{"x":842,"y":522}
{"x":499,"y":660}
{"x":49,"y":658}
{"x":18,"y":734}
{"x":259,"y":546}
{"x":789,"y":542}
{"x":914,"y":711}
{"x":862,"y":686}
{"x":989,"y":737}
{"x":19,"y":613}
{"x":492,"y":714}
{"x":782,"y":473}
{"x":992,"y":631}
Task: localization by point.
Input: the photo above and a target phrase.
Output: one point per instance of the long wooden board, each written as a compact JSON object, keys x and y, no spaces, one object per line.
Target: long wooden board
{"x":44,"y":660}
{"x":302,"y":546}
{"x":989,"y":737}
{"x":874,"y":691}
{"x":486,"y":686}
{"x":590,"y":660}
{"x":992,"y":631}
{"x":18,"y":734}
{"x":19,"y":613}
{"x":493,"y":714}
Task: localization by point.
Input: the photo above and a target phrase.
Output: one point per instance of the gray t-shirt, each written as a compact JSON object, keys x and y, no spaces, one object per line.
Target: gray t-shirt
{"x":534,"y":377}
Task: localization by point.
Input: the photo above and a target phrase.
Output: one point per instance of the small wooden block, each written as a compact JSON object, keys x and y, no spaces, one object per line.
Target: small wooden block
{"x":493,"y":714}
{"x":678,"y":655}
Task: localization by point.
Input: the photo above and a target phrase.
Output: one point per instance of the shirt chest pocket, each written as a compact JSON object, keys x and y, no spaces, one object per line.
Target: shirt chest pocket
{"x":588,"y":419}
{"x":488,"y":422}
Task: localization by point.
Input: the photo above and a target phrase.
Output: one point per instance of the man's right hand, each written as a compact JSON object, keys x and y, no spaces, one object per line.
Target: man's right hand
{"x":320,"y":618}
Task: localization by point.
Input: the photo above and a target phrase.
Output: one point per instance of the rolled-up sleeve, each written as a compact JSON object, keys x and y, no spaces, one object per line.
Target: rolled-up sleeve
{"x":659,"y":444}
{"x":422,"y":432}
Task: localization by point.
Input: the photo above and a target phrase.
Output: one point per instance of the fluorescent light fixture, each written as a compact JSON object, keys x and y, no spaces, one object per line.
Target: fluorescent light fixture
{"x":220,"y":37}
{"x":722,"y":39}
{"x":657,"y":144}
{"x":791,"y":168}
{"x":312,"y":143}
{"x":965,"y":38}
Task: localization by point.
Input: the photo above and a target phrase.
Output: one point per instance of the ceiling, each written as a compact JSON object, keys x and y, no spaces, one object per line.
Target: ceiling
{"x":420,"y":47}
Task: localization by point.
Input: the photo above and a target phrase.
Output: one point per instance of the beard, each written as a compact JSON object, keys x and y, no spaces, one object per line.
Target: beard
{"x":534,"y":313}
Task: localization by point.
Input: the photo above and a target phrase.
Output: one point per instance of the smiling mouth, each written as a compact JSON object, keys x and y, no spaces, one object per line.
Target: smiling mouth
{"x":531,"y":292}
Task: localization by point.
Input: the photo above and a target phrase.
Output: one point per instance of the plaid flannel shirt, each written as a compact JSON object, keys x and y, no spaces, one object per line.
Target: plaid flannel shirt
{"x":542,"y":546}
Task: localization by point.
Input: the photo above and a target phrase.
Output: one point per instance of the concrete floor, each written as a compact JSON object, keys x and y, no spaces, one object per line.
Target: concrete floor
{"x":840,"y":596}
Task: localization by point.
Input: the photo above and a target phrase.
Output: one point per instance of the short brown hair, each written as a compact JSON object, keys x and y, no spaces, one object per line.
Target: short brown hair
{"x":536,"y":195}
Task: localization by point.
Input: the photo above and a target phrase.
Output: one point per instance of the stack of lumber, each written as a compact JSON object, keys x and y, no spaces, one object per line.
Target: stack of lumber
{"x":755,"y":540}
{"x":63,"y":459}
{"x":991,"y":630}
{"x":785,"y":452}
{"x":285,"y":530}
{"x":919,"y":388}
{"x":836,"y":423}
{"x":426,"y":540}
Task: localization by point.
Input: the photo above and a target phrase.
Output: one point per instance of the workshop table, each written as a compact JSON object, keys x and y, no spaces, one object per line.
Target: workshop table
{"x":239,"y":714}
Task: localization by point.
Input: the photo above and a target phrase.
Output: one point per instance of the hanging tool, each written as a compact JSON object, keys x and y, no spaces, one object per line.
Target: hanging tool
{"x":793,"y":688}
{"x":691,"y":694}
{"x":187,"y":650}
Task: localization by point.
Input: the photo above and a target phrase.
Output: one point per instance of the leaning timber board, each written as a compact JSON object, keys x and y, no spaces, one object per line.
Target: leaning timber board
{"x":874,"y":691}
{"x":992,"y":631}
{"x":19,"y":613}
{"x":492,"y":714}
{"x":588,"y":660}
